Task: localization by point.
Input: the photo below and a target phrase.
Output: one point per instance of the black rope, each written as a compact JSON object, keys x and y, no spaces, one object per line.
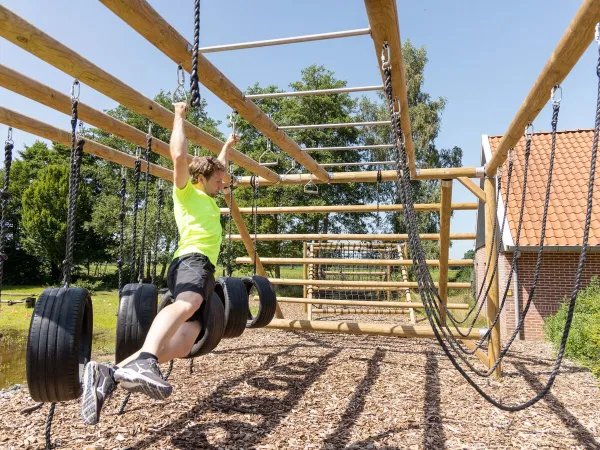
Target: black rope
{"x":229,"y":268}
{"x":159,"y":205}
{"x":254,"y":184}
{"x":168,"y":372}
{"x":75,"y":168}
{"x":194,"y":82}
{"x":4,"y":198}
{"x":136,"y":199}
{"x":49,"y":419}
{"x":145,"y":223}
{"x":123,"y":194}
{"x":124,"y":403}
{"x":191,"y":366}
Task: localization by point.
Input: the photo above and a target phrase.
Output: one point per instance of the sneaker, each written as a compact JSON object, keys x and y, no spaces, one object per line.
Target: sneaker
{"x":98,"y":385}
{"x":143,"y":375}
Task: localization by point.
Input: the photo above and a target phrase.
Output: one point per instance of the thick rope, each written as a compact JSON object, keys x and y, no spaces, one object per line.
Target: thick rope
{"x":145,"y":223}
{"x":48,"y":429}
{"x":194,"y":82}
{"x":123,"y":194}
{"x":254,"y":183}
{"x":4,"y":198}
{"x":229,"y":267}
{"x":136,"y":199}
{"x":159,"y":205}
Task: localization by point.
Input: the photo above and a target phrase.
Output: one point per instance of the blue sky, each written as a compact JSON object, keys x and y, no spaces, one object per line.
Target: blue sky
{"x":483,"y":57}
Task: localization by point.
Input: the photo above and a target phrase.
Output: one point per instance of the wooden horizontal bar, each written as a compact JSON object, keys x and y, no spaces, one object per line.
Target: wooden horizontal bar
{"x":281,"y":41}
{"x":448,"y":173}
{"x":336,"y":125}
{"x":313,"y":92}
{"x":371,"y":303}
{"x":379,"y":285}
{"x":366,"y":311}
{"x":41,"y":129}
{"x":476,"y":190}
{"x":140,"y":15}
{"x":352,"y":148}
{"x":346,"y":273}
{"x":375,"y":329}
{"x":353,"y":262}
{"x":363,"y":176}
{"x":25,"y":35}
{"x":350,"y":208}
{"x":570,"y":48}
{"x":356,"y":164}
{"x":352,"y":237}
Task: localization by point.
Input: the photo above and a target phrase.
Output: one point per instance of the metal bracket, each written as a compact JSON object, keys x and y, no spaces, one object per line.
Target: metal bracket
{"x":480,"y":172}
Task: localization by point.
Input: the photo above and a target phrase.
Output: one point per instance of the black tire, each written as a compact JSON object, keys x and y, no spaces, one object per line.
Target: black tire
{"x":212,"y":323}
{"x":234,"y":295}
{"x":137,"y":310}
{"x":267,"y":301}
{"x":59,"y":344}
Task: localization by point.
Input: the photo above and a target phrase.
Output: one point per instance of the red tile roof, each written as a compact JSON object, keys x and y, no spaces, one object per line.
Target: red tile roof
{"x":568,"y":194}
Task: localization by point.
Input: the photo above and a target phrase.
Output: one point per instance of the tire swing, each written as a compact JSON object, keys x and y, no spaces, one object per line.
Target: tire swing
{"x":232,"y":291}
{"x":59,"y":343}
{"x":137,"y":301}
{"x":266,"y":294}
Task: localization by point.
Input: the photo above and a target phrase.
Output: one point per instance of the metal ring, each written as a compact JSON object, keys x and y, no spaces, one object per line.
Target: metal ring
{"x":73,"y":96}
{"x":9,"y":139}
{"x":195,"y":150}
{"x":180,"y":75}
{"x":138,"y":152}
{"x":395,"y":102}
{"x":597,"y":36}
{"x":556,"y":87}
{"x":510,"y":154}
{"x":123,"y":172}
{"x":529,"y":131}
{"x":385,"y":55}
{"x":160,"y":183}
{"x":149,"y":130}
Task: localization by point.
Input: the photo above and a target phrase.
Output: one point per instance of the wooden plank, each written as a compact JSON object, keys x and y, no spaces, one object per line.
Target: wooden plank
{"x":375,"y":329}
{"x":41,"y":129}
{"x":391,"y":304}
{"x":350,"y":208}
{"x":491,"y":246}
{"x":241,"y":226}
{"x":23,"y":34}
{"x":353,"y":237}
{"x":570,"y":48}
{"x":445,"y":215}
{"x":360,"y":284}
{"x":365,"y":176}
{"x":353,"y":262}
{"x":383,"y":18}
{"x":476,"y":190}
{"x":140,"y":16}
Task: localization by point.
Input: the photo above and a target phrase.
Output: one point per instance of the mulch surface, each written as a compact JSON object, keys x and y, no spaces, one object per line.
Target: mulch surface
{"x":274,"y":389}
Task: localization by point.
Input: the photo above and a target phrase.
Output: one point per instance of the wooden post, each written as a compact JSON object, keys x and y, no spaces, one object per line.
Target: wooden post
{"x":23,"y":34}
{"x":304,"y":274}
{"x":41,"y":129}
{"x":491,"y":246}
{"x":311,"y":276}
{"x":403,"y":254}
{"x":445,"y":214}
{"x":241,"y":226}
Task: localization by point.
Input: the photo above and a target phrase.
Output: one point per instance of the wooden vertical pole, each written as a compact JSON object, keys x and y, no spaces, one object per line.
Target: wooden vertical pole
{"x":304,"y":275}
{"x":309,"y":288}
{"x":241,"y":226}
{"x":403,"y":254}
{"x":491,"y":247}
{"x":445,"y":213}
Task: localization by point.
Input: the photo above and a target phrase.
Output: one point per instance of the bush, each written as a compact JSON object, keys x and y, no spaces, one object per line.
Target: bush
{"x":583,"y":343}
{"x":91,"y":285}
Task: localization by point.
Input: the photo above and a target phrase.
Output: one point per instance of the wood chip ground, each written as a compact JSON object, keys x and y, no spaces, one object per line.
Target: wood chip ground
{"x":274,"y":389}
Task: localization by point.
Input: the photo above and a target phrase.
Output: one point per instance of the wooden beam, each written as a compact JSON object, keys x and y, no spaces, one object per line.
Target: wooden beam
{"x":570,"y":48}
{"x":366,"y":176}
{"x":241,"y":226}
{"x":353,"y":262}
{"x":476,"y":190}
{"x":24,"y":35}
{"x":383,"y":19}
{"x":445,"y":215}
{"x":365,"y":311}
{"x":350,"y":208}
{"x":352,"y":237}
{"x":375,"y":329}
{"x":479,"y":353}
{"x":43,"y":130}
{"x":140,"y":16}
{"x":491,"y":247}
{"x":374,"y":304}
{"x":360,"y":284}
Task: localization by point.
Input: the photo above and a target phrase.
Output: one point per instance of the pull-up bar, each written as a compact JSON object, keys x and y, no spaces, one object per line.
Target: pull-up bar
{"x":349,"y":148}
{"x":354,"y":164}
{"x":281,"y":41}
{"x":335,"y":125}
{"x":314,"y":92}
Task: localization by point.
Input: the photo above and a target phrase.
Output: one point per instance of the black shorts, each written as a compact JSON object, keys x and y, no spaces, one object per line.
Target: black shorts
{"x":192,"y":273}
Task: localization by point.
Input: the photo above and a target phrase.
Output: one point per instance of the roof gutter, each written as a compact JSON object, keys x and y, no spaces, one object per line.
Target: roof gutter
{"x":553,"y":248}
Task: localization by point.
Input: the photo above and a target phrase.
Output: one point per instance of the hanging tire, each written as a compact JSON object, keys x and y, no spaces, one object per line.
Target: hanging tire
{"x":234,"y":295}
{"x":267,"y":301}
{"x":137,"y":310}
{"x":59,"y":344}
{"x":212,"y":323}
